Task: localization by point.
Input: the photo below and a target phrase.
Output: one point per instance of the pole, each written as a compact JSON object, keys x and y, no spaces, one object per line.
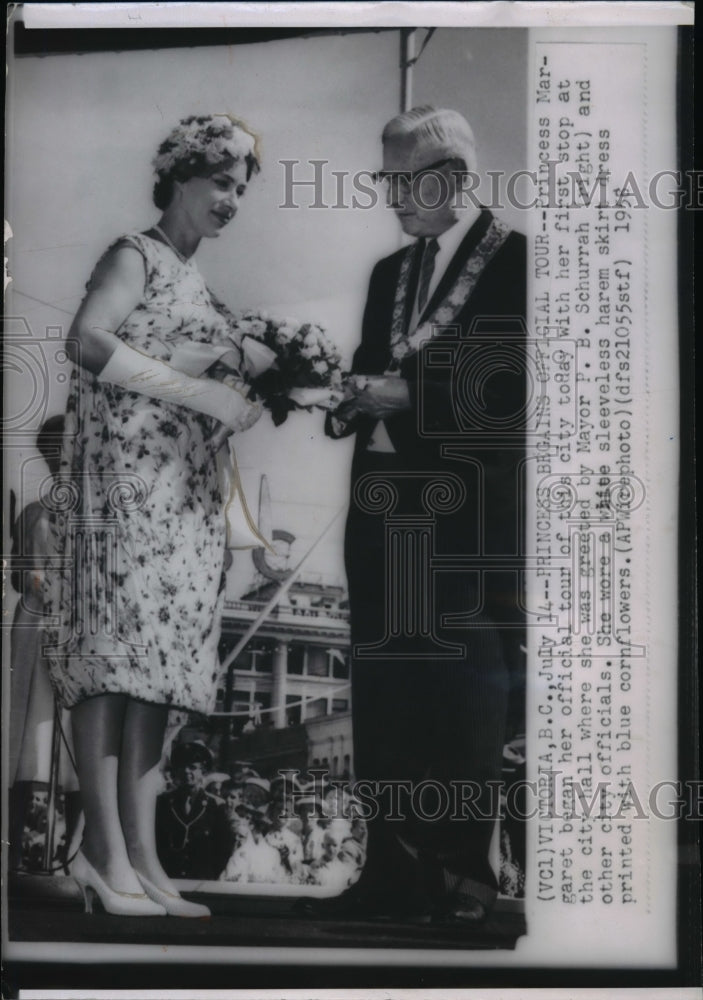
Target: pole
{"x":407,"y":58}
{"x":53,"y":789}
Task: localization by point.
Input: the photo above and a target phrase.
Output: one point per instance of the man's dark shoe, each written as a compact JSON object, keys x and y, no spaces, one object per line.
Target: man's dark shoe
{"x":461,"y":908}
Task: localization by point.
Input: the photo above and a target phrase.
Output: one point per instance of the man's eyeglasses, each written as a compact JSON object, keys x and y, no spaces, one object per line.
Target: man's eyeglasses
{"x":409,"y":177}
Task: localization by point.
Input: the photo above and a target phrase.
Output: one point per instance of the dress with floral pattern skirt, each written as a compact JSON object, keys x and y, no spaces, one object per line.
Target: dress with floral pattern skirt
{"x":138,"y":527}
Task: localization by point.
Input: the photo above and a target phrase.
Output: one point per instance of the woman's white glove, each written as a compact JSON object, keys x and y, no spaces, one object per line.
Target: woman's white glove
{"x":136,"y":372}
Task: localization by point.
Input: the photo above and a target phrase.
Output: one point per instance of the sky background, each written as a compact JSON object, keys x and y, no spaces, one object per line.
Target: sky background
{"x":82,"y":132}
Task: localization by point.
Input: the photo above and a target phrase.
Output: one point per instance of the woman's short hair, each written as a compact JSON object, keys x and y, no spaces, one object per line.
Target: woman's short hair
{"x":199,"y":146}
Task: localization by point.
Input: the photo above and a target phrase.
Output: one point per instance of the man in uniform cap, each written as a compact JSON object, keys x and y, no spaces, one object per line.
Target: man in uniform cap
{"x":192,"y":833}
{"x":437,"y":397}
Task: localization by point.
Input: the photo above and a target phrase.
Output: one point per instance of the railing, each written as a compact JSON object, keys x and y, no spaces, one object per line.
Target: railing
{"x":288,"y":610}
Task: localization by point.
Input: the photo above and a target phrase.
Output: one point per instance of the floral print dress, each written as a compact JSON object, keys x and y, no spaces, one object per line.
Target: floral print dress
{"x":137,"y":518}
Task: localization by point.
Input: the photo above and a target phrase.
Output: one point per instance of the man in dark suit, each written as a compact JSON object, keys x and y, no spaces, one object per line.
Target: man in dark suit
{"x":437,"y":401}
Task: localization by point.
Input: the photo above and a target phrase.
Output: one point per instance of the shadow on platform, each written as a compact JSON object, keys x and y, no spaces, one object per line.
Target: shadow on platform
{"x":50,"y":909}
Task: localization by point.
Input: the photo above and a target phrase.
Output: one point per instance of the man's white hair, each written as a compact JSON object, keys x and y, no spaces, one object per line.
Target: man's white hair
{"x":436,"y":134}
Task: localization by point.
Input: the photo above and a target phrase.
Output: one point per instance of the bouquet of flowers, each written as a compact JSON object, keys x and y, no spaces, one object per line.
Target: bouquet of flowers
{"x":289,"y":364}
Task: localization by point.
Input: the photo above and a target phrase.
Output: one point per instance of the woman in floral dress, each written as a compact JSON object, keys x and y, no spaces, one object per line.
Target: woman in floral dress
{"x":138,"y":511}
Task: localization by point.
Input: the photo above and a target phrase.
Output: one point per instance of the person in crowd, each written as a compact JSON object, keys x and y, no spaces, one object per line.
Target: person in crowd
{"x":214,"y":783}
{"x":140,"y":609}
{"x":255,"y":792}
{"x":32,"y":704}
{"x":193,"y":836}
{"x":284,"y":835}
{"x":242,"y":769}
{"x":255,"y":859}
{"x":236,"y":812}
{"x":309,"y":809}
{"x":340,"y":865}
{"x":449,"y":421}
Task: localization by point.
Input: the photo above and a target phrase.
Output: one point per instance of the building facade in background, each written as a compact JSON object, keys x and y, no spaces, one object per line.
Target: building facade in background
{"x":293,"y":675}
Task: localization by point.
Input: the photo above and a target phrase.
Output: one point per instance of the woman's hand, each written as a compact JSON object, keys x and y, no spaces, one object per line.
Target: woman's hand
{"x":245,"y":411}
{"x":245,"y":414}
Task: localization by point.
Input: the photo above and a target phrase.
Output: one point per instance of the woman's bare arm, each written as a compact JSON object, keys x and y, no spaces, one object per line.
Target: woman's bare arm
{"x":117,"y":291}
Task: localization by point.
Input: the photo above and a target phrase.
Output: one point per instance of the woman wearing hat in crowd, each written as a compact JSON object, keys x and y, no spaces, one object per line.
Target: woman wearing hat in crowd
{"x":285,"y":833}
{"x":254,"y":859}
{"x":139,"y":454}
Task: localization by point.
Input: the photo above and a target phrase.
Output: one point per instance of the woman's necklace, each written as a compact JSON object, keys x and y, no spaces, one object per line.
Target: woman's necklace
{"x":183,"y":259}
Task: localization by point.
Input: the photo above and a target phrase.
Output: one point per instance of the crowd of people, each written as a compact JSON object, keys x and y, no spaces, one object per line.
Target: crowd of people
{"x":244,"y":828}
{"x":35,"y":830}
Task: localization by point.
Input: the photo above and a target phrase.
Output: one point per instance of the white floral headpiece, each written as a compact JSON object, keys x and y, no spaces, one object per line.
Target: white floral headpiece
{"x":207,"y":140}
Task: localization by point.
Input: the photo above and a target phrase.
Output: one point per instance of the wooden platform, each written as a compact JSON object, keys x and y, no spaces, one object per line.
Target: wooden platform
{"x":49,"y":909}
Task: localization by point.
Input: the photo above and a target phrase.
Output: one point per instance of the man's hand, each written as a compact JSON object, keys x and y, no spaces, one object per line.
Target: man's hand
{"x":378,"y":396}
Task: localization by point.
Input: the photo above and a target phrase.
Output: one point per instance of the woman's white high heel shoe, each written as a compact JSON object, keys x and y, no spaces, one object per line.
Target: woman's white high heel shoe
{"x":174,"y":904}
{"x":124,"y":904}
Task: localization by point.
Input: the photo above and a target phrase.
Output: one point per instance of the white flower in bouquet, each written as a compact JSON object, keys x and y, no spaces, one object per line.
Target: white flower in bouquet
{"x":312,"y":337}
{"x":288,"y":363}
{"x":286,"y":331}
{"x":257,"y":327}
{"x":245,"y":327}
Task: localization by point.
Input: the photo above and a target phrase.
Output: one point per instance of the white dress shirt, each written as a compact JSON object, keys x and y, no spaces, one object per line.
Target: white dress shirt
{"x":448,"y":242}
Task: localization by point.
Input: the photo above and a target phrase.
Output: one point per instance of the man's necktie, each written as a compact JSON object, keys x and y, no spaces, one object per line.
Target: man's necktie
{"x":426,"y":272}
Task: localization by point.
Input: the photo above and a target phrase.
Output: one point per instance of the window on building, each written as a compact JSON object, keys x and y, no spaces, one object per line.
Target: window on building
{"x":317,"y":662}
{"x":227,"y":643}
{"x":293,"y":710}
{"x":241,"y":699}
{"x":261,"y":702}
{"x":244,"y":660}
{"x":340,"y":665}
{"x":346,"y":773}
{"x":340,"y":705}
{"x":335,"y":765}
{"x":296,"y":658}
{"x":315,"y":709}
{"x":262,"y":657}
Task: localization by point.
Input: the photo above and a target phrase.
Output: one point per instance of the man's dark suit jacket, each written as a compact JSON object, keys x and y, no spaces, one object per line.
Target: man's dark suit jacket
{"x":428,"y":718}
{"x":495,"y":313}
{"x":500,"y":294}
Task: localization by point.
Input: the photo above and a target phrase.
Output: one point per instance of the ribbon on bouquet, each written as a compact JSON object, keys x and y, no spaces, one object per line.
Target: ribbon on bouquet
{"x":242,"y":532}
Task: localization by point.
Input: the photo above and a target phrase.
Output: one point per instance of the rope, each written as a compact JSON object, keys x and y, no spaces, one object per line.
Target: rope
{"x":42,"y":302}
{"x":430,"y":33}
{"x":291,"y":704}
